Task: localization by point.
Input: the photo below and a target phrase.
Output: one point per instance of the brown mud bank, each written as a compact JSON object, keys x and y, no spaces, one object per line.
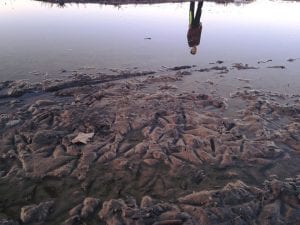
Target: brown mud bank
{"x":137,"y":150}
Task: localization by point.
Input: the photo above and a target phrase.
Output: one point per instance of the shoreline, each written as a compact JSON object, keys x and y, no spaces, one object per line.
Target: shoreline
{"x":213,"y":72}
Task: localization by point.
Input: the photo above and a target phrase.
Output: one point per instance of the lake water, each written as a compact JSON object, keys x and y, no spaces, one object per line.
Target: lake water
{"x":41,"y":38}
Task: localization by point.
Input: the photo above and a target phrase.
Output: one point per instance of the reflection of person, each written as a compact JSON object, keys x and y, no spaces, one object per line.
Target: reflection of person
{"x":61,"y":3}
{"x":195,"y":26}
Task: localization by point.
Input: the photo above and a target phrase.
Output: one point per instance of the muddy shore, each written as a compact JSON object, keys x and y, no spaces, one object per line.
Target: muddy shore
{"x":133,"y":148}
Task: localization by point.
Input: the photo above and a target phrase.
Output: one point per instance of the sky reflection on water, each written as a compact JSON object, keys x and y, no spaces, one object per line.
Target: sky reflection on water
{"x":38,"y":37}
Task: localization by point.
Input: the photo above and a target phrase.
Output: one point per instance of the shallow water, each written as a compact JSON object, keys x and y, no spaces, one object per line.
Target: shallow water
{"x":38,"y":40}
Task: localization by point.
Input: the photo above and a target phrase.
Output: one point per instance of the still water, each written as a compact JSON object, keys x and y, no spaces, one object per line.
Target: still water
{"x":36,"y":36}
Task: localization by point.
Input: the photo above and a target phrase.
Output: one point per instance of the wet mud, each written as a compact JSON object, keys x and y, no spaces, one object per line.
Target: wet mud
{"x":135,"y":149}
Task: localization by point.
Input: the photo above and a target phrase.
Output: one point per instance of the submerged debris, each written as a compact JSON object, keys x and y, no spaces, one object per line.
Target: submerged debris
{"x":180,"y":68}
{"x":292,"y":59}
{"x":241,"y":66}
{"x":222,"y":69}
{"x":265,"y":61}
{"x":217,"y":62}
{"x":276,"y":67}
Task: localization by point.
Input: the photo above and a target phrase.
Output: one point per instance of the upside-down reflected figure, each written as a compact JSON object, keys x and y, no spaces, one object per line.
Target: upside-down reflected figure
{"x":195,"y":26}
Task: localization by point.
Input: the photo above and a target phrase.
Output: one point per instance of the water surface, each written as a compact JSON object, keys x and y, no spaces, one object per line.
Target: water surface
{"x":39,"y":38}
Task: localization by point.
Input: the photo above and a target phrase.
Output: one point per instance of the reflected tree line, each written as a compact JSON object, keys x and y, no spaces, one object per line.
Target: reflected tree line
{"x":122,"y":2}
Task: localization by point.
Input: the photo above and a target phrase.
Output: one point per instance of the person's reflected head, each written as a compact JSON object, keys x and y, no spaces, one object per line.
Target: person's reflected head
{"x":61,"y":3}
{"x":193,"y":50}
